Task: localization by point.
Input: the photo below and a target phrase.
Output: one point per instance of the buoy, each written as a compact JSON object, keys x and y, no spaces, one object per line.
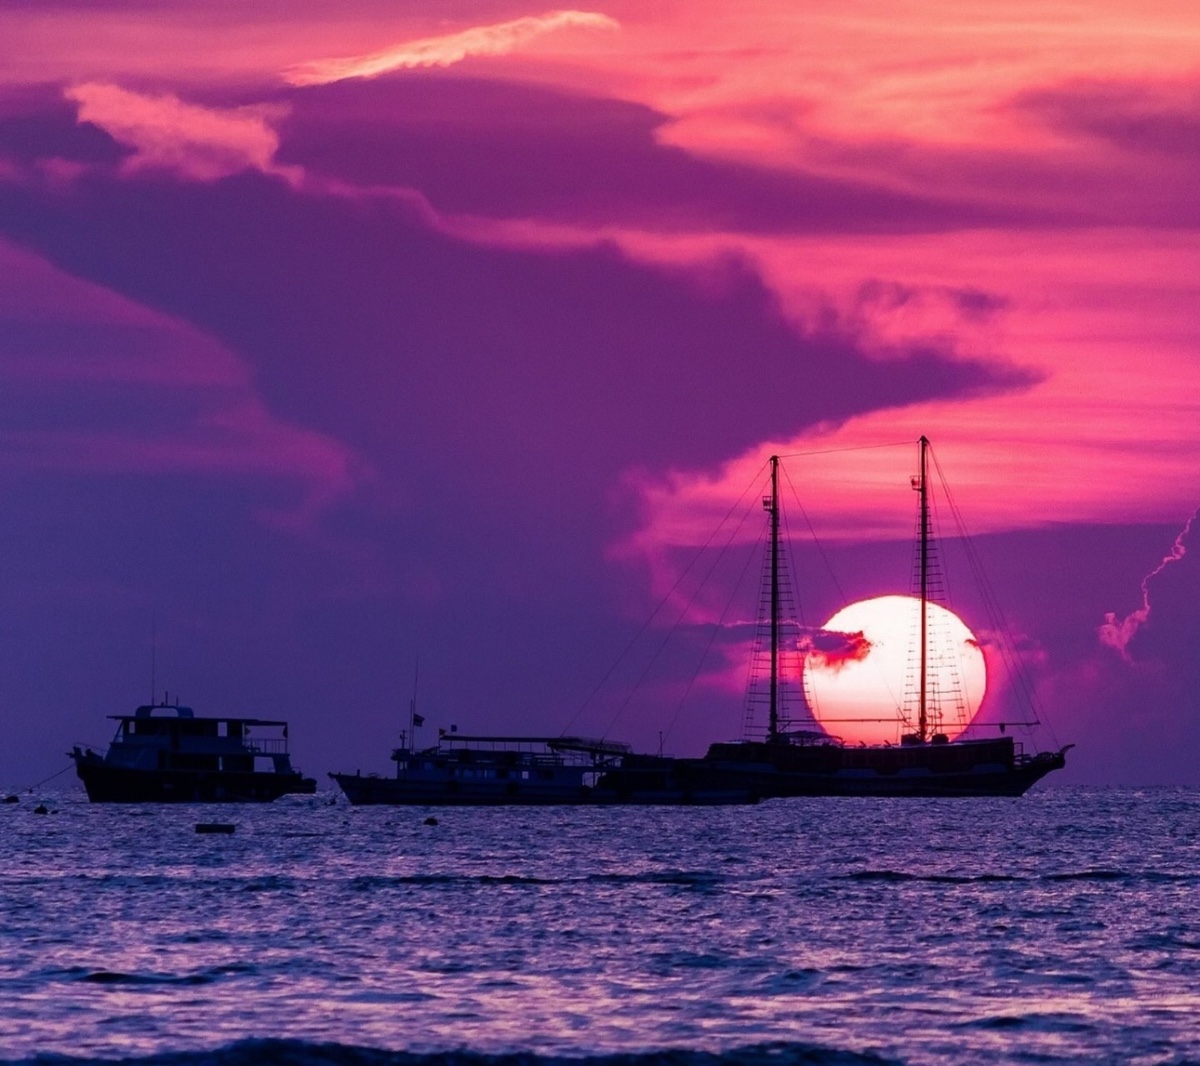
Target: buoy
{"x":431,"y":820}
{"x":12,"y":799}
{"x":215,"y":827}
{"x":41,"y":809}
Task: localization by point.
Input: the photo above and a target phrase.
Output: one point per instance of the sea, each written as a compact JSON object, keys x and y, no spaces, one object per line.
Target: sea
{"x":1062,"y":927}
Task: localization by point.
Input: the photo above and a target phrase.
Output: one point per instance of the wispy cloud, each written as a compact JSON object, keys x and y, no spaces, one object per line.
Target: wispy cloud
{"x":1118,"y":632}
{"x":497,"y":39}
{"x":201,"y":143}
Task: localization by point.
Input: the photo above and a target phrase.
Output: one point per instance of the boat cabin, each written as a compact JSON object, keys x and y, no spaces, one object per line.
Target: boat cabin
{"x":170,"y":737}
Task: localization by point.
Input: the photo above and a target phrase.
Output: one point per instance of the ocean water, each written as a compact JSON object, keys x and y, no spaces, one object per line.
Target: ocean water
{"x":1060,"y":927}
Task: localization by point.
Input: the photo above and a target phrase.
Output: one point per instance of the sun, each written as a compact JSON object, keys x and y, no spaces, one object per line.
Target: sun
{"x":865,"y":685}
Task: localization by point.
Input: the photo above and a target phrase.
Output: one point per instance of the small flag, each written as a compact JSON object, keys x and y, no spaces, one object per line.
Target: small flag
{"x":441,"y":732}
{"x":418,"y":719}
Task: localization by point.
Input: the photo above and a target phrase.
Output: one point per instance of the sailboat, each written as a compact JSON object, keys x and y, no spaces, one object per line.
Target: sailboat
{"x":925,"y":762}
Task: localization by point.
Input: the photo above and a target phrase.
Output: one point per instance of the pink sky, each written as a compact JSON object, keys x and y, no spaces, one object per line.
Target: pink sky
{"x":343,"y":274}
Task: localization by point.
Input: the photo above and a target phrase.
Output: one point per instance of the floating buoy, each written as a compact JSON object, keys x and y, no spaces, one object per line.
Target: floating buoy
{"x":215,"y":827}
{"x":41,"y":808}
{"x":12,"y":799}
{"x":431,"y":820}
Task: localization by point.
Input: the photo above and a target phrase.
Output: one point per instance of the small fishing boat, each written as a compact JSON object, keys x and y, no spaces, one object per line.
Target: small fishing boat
{"x":165,"y":753}
{"x":463,"y":770}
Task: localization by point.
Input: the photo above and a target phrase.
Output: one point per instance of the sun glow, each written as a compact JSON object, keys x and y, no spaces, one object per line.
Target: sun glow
{"x":868,"y":691}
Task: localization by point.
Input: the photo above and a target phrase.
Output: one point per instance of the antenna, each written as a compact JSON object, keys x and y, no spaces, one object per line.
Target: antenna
{"x":153,"y":655}
{"x":413,"y":719}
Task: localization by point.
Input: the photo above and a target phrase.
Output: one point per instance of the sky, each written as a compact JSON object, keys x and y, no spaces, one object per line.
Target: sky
{"x":354,"y":351}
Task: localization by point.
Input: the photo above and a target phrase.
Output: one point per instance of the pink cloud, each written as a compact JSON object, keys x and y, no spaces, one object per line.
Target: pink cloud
{"x":199,"y":143}
{"x":496,"y":39}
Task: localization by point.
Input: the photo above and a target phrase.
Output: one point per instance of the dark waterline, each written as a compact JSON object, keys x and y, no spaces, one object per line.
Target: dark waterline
{"x":1061,"y":927}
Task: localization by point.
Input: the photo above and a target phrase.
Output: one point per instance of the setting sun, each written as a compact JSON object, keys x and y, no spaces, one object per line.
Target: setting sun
{"x":868,"y":691}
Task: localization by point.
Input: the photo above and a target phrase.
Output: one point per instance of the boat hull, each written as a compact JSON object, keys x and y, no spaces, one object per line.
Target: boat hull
{"x":368,"y":790}
{"x":971,"y":768}
{"x":111,"y":784}
{"x":615,"y":788}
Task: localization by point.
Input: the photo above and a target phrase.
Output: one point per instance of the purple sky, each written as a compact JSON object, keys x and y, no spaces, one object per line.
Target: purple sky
{"x":309,"y":375}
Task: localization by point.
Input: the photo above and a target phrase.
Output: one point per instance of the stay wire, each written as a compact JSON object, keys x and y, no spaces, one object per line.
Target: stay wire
{"x":38,"y":784}
{"x":737,"y":585}
{"x":683,"y":611}
{"x":996,"y":617}
{"x":809,"y":697}
{"x":849,"y":448}
{"x":697,"y":555}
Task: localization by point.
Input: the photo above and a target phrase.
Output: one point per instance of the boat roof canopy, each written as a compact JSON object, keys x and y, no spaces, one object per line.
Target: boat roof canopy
{"x":147,"y":711}
{"x":560,"y":743}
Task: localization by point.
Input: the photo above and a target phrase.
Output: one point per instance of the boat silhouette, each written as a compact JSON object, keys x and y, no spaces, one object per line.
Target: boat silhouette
{"x":179,"y":757}
{"x":809,"y":761}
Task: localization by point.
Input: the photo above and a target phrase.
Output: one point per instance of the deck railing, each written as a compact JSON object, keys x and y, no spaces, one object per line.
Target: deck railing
{"x":267,"y":745}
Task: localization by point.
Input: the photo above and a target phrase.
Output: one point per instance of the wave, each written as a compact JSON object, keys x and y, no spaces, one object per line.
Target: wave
{"x":682,"y":878}
{"x":944,"y":879}
{"x":1092,"y":875}
{"x":117,"y":977}
{"x":303,"y":1053}
{"x":1101,"y":875}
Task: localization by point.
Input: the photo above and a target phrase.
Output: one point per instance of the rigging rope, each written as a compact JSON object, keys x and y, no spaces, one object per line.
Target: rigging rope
{"x":734,"y":590}
{"x":38,"y":784}
{"x":675,"y":625}
{"x":1010,"y":660}
{"x":697,"y":556}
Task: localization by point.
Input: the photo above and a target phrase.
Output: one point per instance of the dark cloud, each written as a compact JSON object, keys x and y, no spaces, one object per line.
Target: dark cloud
{"x":970,"y":303}
{"x":37,"y":125}
{"x":831,"y":650}
{"x":1138,"y":118}
{"x":516,"y":151}
{"x":361,"y":322}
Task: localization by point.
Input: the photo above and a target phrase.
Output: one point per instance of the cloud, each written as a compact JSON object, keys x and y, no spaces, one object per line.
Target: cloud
{"x":93,"y":383}
{"x":199,"y":143}
{"x":1118,"y":633}
{"x":492,"y":149}
{"x":1139,"y":117}
{"x":827,"y":649}
{"x":497,"y":39}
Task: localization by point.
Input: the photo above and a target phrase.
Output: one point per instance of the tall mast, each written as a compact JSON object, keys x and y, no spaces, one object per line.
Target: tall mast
{"x":773,"y":507}
{"x":923,"y":491}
